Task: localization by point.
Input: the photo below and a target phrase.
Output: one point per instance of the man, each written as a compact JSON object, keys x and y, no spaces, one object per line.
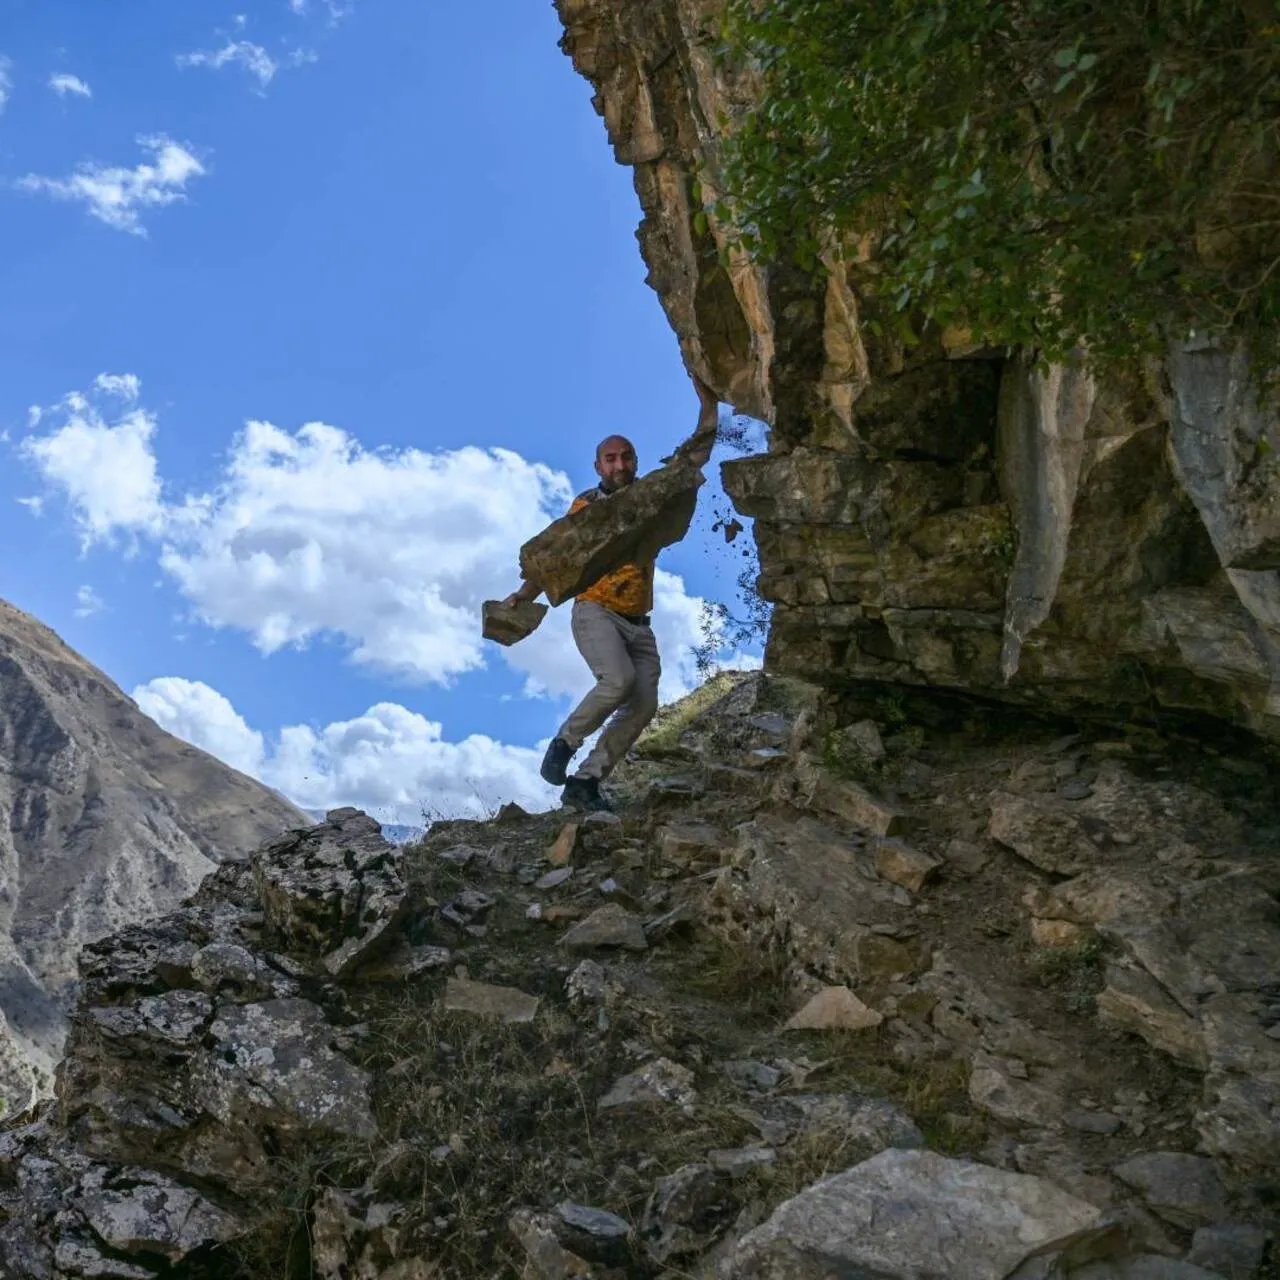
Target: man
{"x":611,"y":629}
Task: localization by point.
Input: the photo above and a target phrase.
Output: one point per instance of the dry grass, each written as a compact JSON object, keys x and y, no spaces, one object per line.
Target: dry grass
{"x":753,"y":982}
{"x":661,"y":739}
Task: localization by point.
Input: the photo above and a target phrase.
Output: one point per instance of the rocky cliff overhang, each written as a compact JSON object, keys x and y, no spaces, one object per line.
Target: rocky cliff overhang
{"x":949,"y":517}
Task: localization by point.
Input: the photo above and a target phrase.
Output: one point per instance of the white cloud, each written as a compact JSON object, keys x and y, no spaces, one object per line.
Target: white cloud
{"x":125,"y":386}
{"x":192,"y":711}
{"x":309,"y":536}
{"x":62,"y":84}
{"x":6,"y":81}
{"x":119,"y":196}
{"x":336,"y":9}
{"x":390,"y":761}
{"x":107,"y":470}
{"x":243,"y":53}
{"x":253,"y":58}
{"x":88,"y":602}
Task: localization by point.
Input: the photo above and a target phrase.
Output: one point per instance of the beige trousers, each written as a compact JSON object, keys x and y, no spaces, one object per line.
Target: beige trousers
{"x":623,"y":657}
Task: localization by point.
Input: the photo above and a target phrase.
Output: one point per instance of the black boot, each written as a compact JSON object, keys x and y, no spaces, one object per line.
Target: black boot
{"x":584,"y":795}
{"x":556,"y":761}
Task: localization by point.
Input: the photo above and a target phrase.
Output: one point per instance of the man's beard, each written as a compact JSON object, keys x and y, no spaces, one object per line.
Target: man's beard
{"x":612,"y":486}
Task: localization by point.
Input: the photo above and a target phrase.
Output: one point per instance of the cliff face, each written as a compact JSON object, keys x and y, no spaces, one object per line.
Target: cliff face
{"x":946,"y":516}
{"x":105,"y":820}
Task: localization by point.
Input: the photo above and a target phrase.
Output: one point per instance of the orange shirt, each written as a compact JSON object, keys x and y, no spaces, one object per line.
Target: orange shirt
{"x":629,"y":588}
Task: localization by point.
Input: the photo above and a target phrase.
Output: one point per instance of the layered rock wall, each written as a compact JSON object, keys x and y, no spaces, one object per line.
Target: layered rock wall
{"x":944,"y":516}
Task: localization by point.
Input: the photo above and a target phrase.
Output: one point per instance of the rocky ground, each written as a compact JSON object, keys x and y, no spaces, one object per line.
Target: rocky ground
{"x":930,"y":995}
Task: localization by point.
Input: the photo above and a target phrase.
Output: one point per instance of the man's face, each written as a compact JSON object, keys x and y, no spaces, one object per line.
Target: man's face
{"x":615,"y":463}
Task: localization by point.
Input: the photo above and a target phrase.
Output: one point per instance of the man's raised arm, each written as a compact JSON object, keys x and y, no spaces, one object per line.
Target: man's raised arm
{"x":526,"y":591}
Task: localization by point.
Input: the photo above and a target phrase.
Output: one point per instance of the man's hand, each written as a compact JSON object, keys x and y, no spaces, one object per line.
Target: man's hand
{"x":528,"y":591}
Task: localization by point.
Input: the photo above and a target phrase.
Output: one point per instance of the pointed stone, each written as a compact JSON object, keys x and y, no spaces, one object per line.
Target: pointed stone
{"x":835,"y":1009}
{"x":561,"y":852}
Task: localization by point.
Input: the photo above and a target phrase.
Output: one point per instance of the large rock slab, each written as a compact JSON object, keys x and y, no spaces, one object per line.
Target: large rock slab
{"x":506,"y":1004}
{"x":64,"y":1215}
{"x":806,"y":888}
{"x":903,"y":1215}
{"x":634,"y":523}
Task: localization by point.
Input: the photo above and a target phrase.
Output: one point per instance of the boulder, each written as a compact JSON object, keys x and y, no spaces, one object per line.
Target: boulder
{"x":334,"y":891}
{"x":607,"y":926}
{"x":906,"y":1214}
{"x":690,"y":842}
{"x":634,"y":523}
{"x":820,"y":892}
{"x":848,"y":800}
{"x":141,"y":1211}
{"x":596,"y":1234}
{"x":1000,"y":1093}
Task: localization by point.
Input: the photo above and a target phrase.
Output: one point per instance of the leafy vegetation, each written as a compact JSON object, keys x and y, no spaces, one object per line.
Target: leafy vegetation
{"x":1052,"y":174}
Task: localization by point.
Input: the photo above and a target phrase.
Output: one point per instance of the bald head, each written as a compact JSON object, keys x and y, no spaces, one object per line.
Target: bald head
{"x":612,"y":444}
{"x":615,"y":462}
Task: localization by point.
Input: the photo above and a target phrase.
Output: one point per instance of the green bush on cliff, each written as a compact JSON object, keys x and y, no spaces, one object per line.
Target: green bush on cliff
{"x":1046,"y":173}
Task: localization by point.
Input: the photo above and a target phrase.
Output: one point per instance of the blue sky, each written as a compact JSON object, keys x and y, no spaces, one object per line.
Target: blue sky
{"x":399,"y":220}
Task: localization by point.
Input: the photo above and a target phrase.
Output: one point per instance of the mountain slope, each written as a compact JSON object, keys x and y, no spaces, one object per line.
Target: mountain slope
{"x":104,"y":819}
